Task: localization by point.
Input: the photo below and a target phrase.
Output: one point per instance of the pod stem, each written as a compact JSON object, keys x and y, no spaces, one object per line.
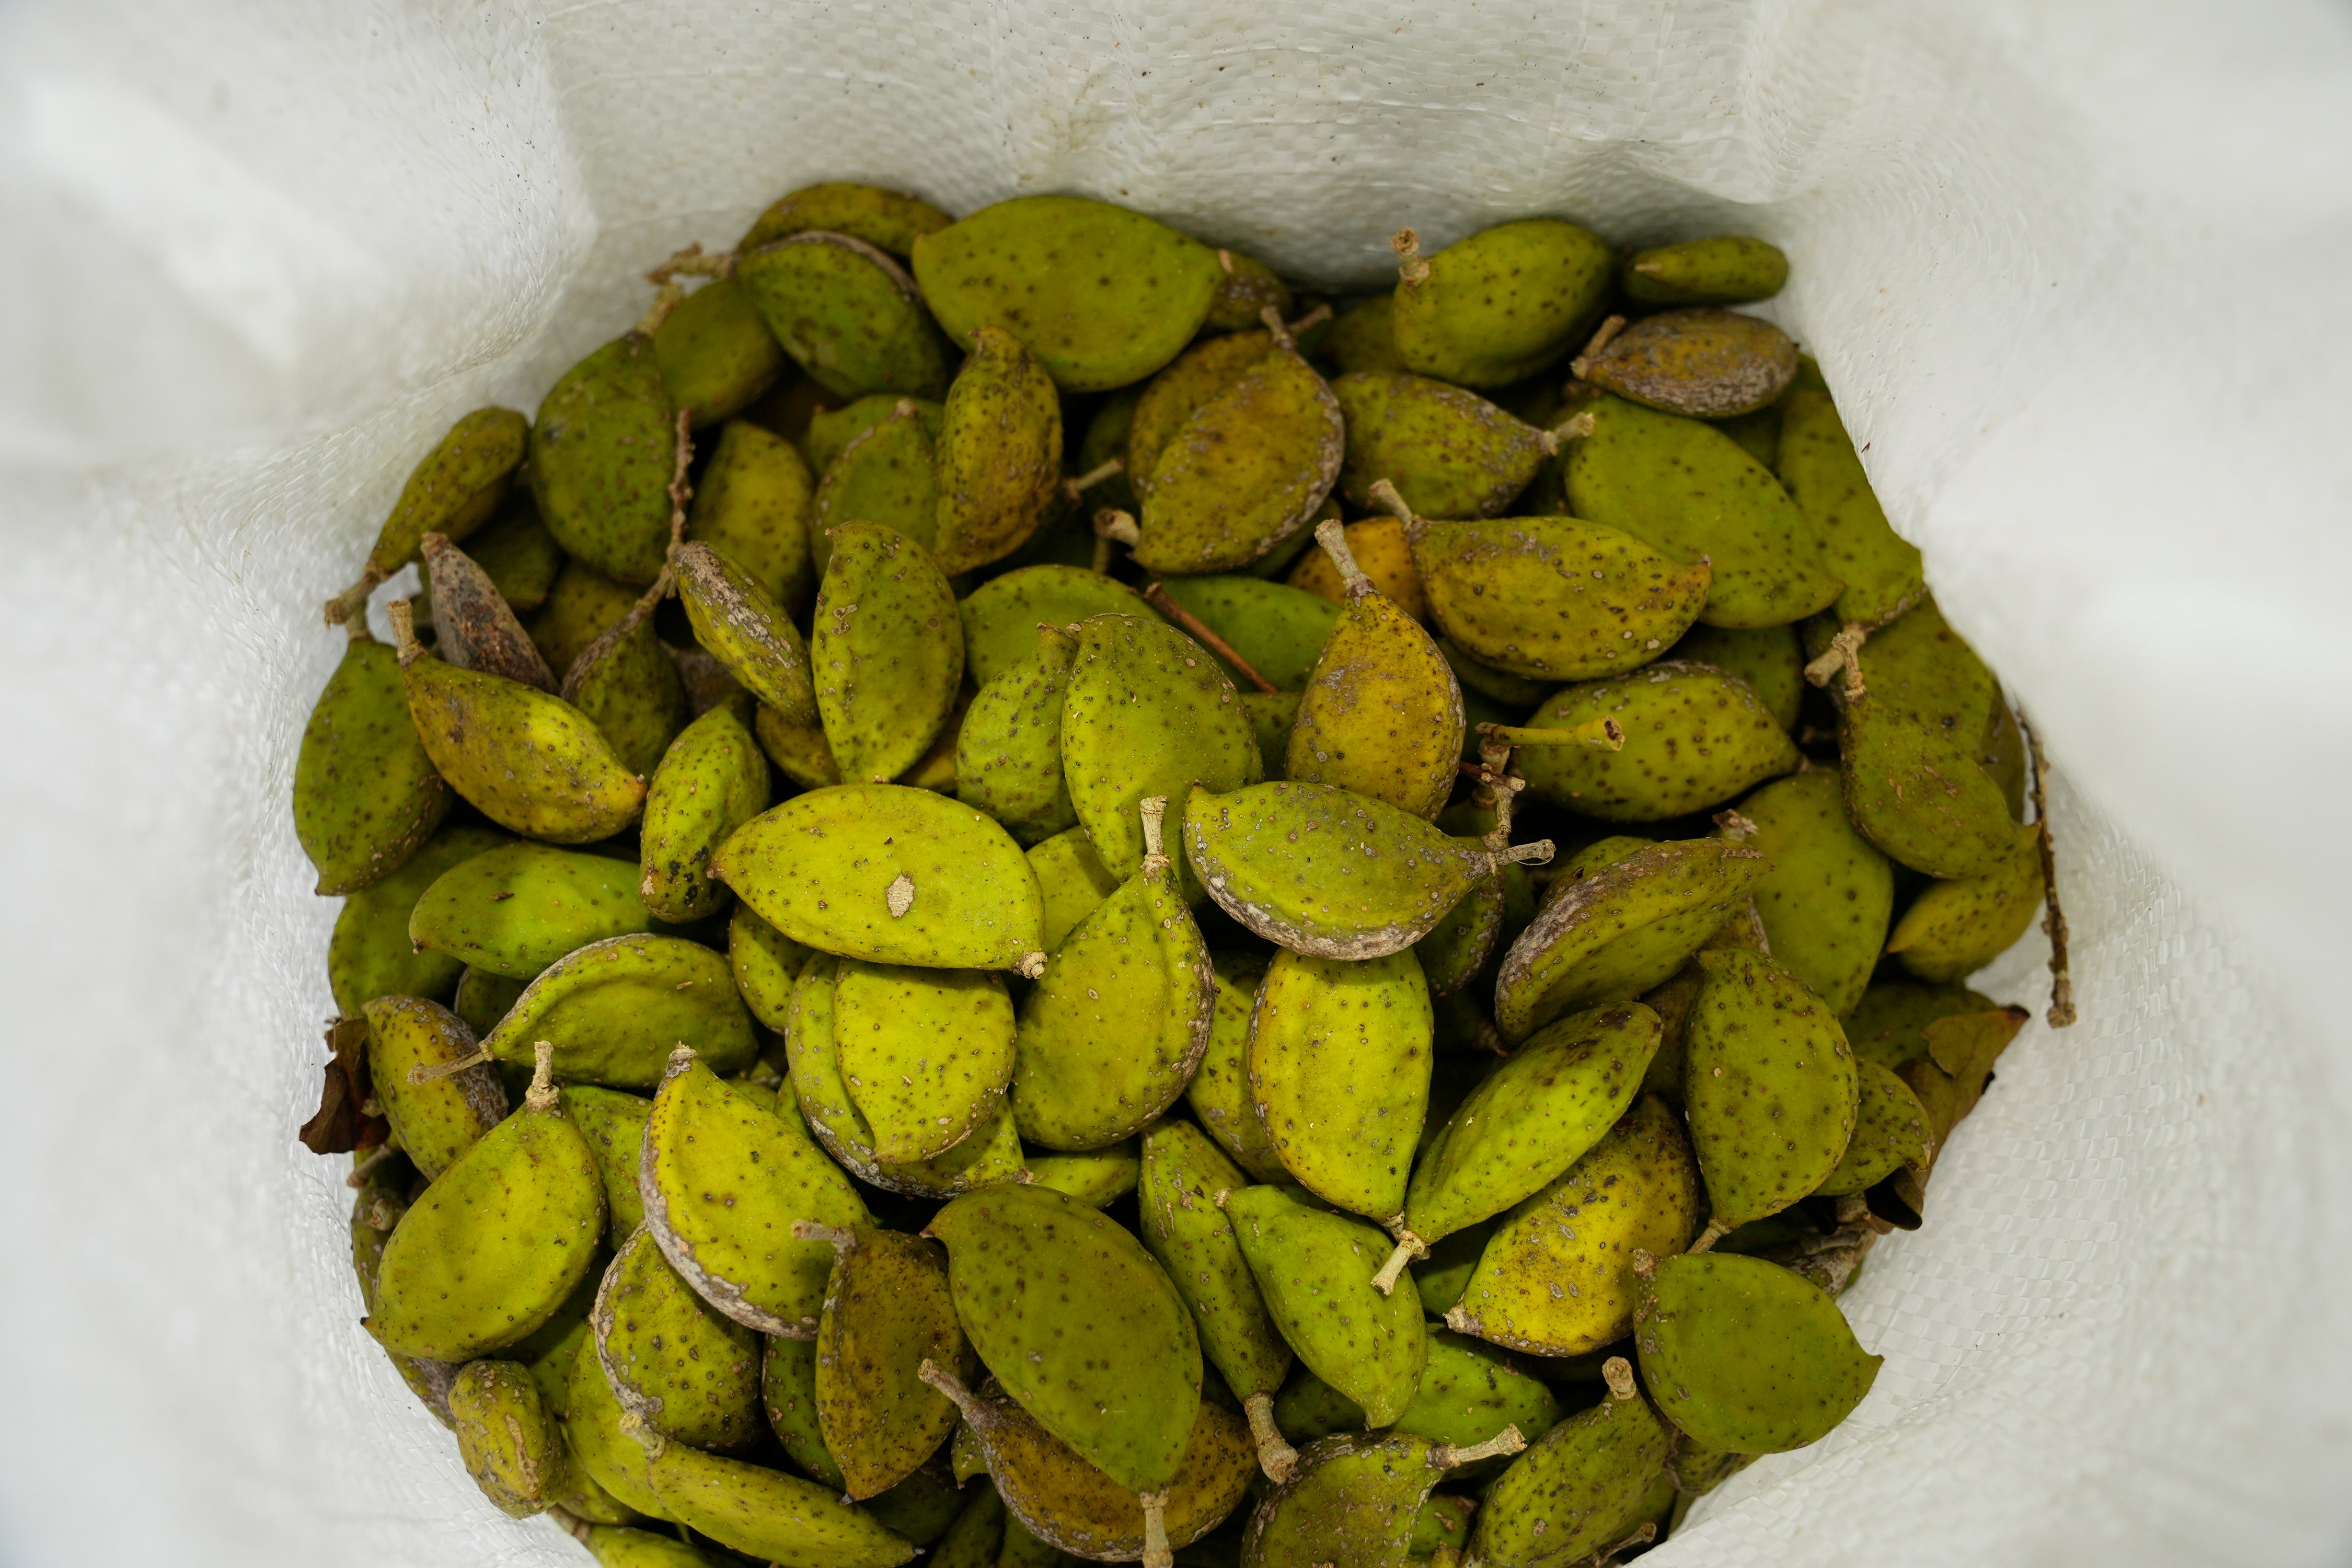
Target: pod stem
{"x":1275,"y":1457}
{"x":369,"y":1166}
{"x":1154,"y":808}
{"x":1409,"y":1246}
{"x":2053,"y":915}
{"x":1332,"y":535}
{"x":1618,"y":1373}
{"x":1643,"y":1536}
{"x":1603,"y":734}
{"x":1736,"y":827}
{"x":1716,"y":1231}
{"x":1114,"y":524}
{"x":1843,"y":653}
{"x":1489,"y":780}
{"x":947,"y":1384}
{"x":1272,"y":317}
{"x":1411,"y":268}
{"x":1575,"y":427}
{"x":1385,"y":496}
{"x":1601,"y":338}
{"x":843,"y":1240}
{"x":421,"y":1074}
{"x":1537,"y":853}
{"x":542,"y":1095}
{"x":665,"y":300}
{"x":1156,"y":1552}
{"x":404,"y":631}
{"x":350,"y":607}
{"x":1075,"y":485}
{"x":1446,"y":1455}
{"x":571,"y":1523}
{"x":1157,"y":596}
{"x":1314,"y":317}
{"x":692,"y":263}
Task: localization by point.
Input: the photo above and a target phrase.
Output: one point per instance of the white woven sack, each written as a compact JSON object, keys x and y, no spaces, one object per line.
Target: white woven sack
{"x":2078,"y":274}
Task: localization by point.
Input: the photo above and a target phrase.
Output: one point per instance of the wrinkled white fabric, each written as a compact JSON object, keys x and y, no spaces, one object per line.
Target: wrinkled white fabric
{"x":2076,"y":273}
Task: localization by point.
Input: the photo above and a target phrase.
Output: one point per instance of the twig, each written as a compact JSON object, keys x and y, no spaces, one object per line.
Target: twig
{"x":1159,"y":598}
{"x":2053,"y":917}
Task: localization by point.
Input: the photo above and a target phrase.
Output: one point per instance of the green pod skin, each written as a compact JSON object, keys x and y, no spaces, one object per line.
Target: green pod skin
{"x":1149,"y":713}
{"x":496,"y":1244}
{"x":1072,"y":880}
{"x":755,"y":504}
{"x":1555,"y":598}
{"x":822,"y":868}
{"x":723,"y":1179}
{"x":616,"y":1547}
{"x":1101,"y":295}
{"x":1097,"y":1178}
{"x":767,"y":1514}
{"x":1891,"y":1133}
{"x":1249,"y":286}
{"x":614,"y":1009}
{"x":1000,"y":452}
{"x":1695,"y":738}
{"x":977,"y":1535}
{"x":581,"y":605}
{"x":1280,"y":630}
{"x":1577,"y":1491}
{"x":1821,"y":471}
{"x":1363,"y":337}
{"x":1273,"y":715}
{"x":1189,"y":384}
{"x":1001,"y":616}
{"x":514,"y":910}
{"x":1382,"y":713}
{"x":888,"y":650}
{"x":549,"y":1353}
{"x":1354,"y":1502}
{"x":747,"y":631}
{"x":847,"y":313}
{"x":715,"y":354}
{"x":614,"y":1125}
{"x":886,"y":1311}
{"x":1516,"y":693}
{"x":1688,"y":489}
{"x":438,"y":1120}
{"x":518,"y":554}
{"x":370,"y":953}
{"x":966,"y":1456}
{"x":1245,"y":471}
{"x":926,"y":1053}
{"x":1502,"y":304}
{"x":1469,"y":1392}
{"x":1701,"y":363}
{"x":1119,"y":1383}
{"x":1889,"y":1024}
{"x":1769,"y":1086}
{"x":1722,"y":269}
{"x":1118,"y":1023}
{"x":711,"y":781}
{"x":601,"y":457}
{"x":798,"y":750}
{"x":1745,"y":1355}
{"x":886,"y":475}
{"x":1314,"y":1269}
{"x":1375,"y":882}
{"x":788,"y":1388}
{"x":1219,"y":1093}
{"x":1444,"y":1521}
{"x":1457,"y":947}
{"x":1954,"y":929}
{"x":1106,"y":438}
{"x":765,"y":962}
{"x":1827,"y":899}
{"x":1009,"y":751}
{"x":1445,"y":1272}
{"x":1771,"y":661}
{"x":1758,"y":434}
{"x":510,"y":1443}
{"x":921,"y":1507}
{"x":1339,"y":1071}
{"x":1620,"y":929}
{"x":628,"y":685}
{"x":453,"y":489}
{"x":831,"y":430}
{"x":888,"y":220}
{"x":673,"y":1362}
{"x":1450,"y":453}
{"x":577,"y":1493}
{"x":366,"y":795}
{"x":1555,"y":1278}
{"x":1920,"y":796}
{"x":607,"y":1455}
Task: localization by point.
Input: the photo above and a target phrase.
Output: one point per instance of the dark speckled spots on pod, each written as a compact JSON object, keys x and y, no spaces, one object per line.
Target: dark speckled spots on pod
{"x":887,"y":1313}
{"x":1500,"y":305}
{"x":1000,"y":453}
{"x":1724,"y":269}
{"x":453,"y":490}
{"x":366,"y":794}
{"x":746,"y":630}
{"x":475,"y":628}
{"x":847,"y":313}
{"x":601,"y":451}
{"x":1702,"y":362}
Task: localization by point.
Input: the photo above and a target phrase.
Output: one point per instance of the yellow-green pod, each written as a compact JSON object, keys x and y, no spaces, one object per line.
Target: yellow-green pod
{"x":438,"y":1120}
{"x":453,"y":489}
{"x":831,"y":430}
{"x":581,"y":605}
{"x":1745,"y":1355}
{"x":1954,"y":929}
{"x":629,"y":687}
{"x":927,"y":1054}
{"x":1219,"y":1093}
{"x":1097,"y":1178}
{"x":1072,"y":880}
{"x":747,"y":631}
{"x":616,"y":1547}
{"x":1827,"y":899}
{"x":1009,"y":749}
{"x":1770,"y":660}
{"x":1920,"y":794}
{"x":754,"y":505}
{"x":799,"y":751}
{"x":606,"y":1454}
{"x":1701,"y":363}
{"x":1249,"y":286}
{"x":369,"y":955}
{"x":1819,"y":467}
{"x":1581,"y":1489}
{"x":601,"y":457}
{"x":765,"y":962}
{"x":888,"y":474}
{"x":1722,"y":269}
{"x":767,"y":1514}
{"x":1339,"y":1071}
{"x":1891,"y":1132}
{"x":1693,"y":738}
{"x":788,"y":1388}
{"x":579,"y":1494}
{"x":614,"y":1123}
{"x":711,"y":781}
{"x":1450,"y":453}
{"x":1187,"y":384}
{"x":886,"y":1311}
{"x":715,"y":356}
{"x":1314,"y":1269}
{"x":614,"y":1009}
{"x":847,"y":313}
{"x":510,"y":1445}
{"x":1363,"y":337}
{"x":514,"y":910}
{"x":673,"y":1362}
{"x":1500,"y":305}
{"x":1000,"y":452}
{"x":366,"y":795}
{"x":887,"y":651}
{"x":1272,"y":716}
{"x":520,"y":557}
{"x":889,"y":220}
{"x":1001,"y":616}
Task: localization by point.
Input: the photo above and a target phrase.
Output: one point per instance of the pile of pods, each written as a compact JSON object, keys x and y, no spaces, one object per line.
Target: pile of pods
{"x":934,"y":958}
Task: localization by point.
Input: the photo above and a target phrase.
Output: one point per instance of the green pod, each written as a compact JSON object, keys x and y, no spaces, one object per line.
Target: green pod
{"x":1688,"y":489}
{"x":616,"y":1547}
{"x":474,"y":627}
{"x":1246,"y":470}
{"x":606,"y":1454}
{"x":1889,"y":1024}
{"x":847,"y":313}
{"x":723,"y":1179}
{"x":1823,"y":473}
{"x":765,"y":962}
{"x":614,"y":1125}
{"x":1278,"y":629}
{"x":831,"y":430}
{"x":1450,"y":453}
{"x":1555,"y":1278}
{"x":1442,"y":1277}
{"x":1722,"y":269}
{"x":1954,"y":929}
{"x":578,"y":1494}
{"x":1001,"y":616}
{"x":977,"y":1535}
{"x":1444,"y":1523}
{"x":1891,"y":1133}
{"x":1575,"y":1492}
{"x":926,"y":1053}
{"x":366,"y":795}
{"x":673,"y":1362}
{"x":767,"y":1514}
{"x":1273,"y":715}
{"x":1000,"y":452}
{"x":1009,"y":751}
{"x":922,"y":1507}
{"x":891,"y":875}
{"x":1469,"y":1393}
{"x":453,"y":489}
{"x":1382,"y":713}
{"x":798,"y":750}
{"x":755,"y":504}
{"x":1700,"y":362}
{"x":888,"y":220}
{"x":581,"y":605}
{"x":1354,"y":1502}
{"x":1339,"y":1071}
{"x":1826,"y":899}
{"x":438,"y":1120}
{"x":1555,"y":598}
{"x":614,"y":1009}
{"x":1920,"y":796}
{"x":1119,"y":1383}
{"x":1219,"y":1093}
{"x":510,"y":1443}
{"x":1693,"y":738}
{"x":1623,"y":925}
{"x":601,"y":456}
{"x":966,"y":1454}
{"x":888,"y":650}
{"x":1516,"y":693}
{"x":887,"y":475}
{"x":520,"y":557}
{"x":1770,"y":660}
{"x":1149,"y":713}
{"x":1101,"y":295}
{"x":516,"y":909}
{"x":1745,"y":1355}
{"x":1330,"y":873}
{"x":1756,"y":432}
{"x":551,"y":1349}
{"x":788,"y":1389}
{"x":711,"y":781}
{"x":628,"y":685}
{"x":1500,"y":305}
{"x":1249,"y":286}
{"x":1187,"y":384}
{"x":1314,"y":1269}
{"x":715,"y":354}
{"x":886,"y":1311}
{"x":1072,"y":880}
{"x":496,"y":1244}
{"x":1769,"y":1086}
{"x":1097,"y":1178}
{"x":747,"y":631}
{"x":1114,"y":1029}
{"x":1363,"y":337}
{"x":370,"y":953}
{"x":1106,"y":439}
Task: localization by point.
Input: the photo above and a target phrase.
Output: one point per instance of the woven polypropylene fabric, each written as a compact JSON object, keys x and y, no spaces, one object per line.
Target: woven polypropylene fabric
{"x":2076,"y":276}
